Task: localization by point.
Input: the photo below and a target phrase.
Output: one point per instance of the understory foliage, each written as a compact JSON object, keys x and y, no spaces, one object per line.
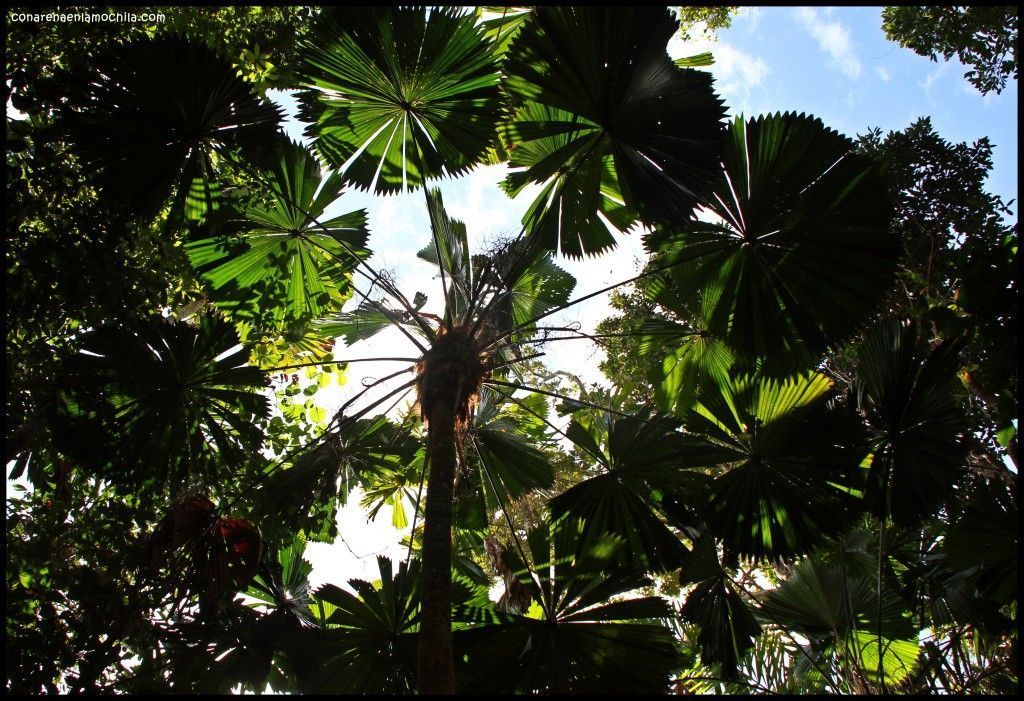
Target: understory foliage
{"x":795,"y":481}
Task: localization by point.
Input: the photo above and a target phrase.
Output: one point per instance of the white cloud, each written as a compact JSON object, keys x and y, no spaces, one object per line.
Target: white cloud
{"x":883,"y":74}
{"x":737,"y":72}
{"x":833,"y":38}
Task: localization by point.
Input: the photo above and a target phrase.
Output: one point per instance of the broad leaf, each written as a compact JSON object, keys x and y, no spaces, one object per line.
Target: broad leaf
{"x":279,"y":265}
{"x":162,"y":405}
{"x":801,"y":252}
{"x":918,"y":426}
{"x":789,"y":467}
{"x":642,"y":456}
{"x":820,"y":600}
{"x":372,"y":643}
{"x":157,"y":114}
{"x":365,"y":321}
{"x":583,"y":643}
{"x":449,"y":239}
{"x":727,"y":627}
{"x":607,"y":123}
{"x":399,"y":95}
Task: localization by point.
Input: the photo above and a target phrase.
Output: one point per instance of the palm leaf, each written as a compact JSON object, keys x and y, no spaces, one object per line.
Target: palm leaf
{"x":450,"y":240}
{"x":162,"y":404}
{"x":529,"y":284}
{"x":304,"y":496}
{"x":984,"y":543}
{"x":584,"y":644}
{"x":793,"y":464}
{"x":398,"y":95}
{"x":367,"y":320}
{"x":796,"y":207}
{"x":825,"y":603}
{"x":607,"y":123}
{"x":503,"y":25}
{"x":278,"y":265}
{"x":372,"y":643}
{"x":727,"y":627}
{"x":820,"y":600}
{"x":694,"y":356}
{"x":155,"y":116}
{"x":641,"y":457}
{"x":909,"y":400}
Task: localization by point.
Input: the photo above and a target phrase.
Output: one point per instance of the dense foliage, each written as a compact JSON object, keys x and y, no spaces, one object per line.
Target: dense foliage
{"x":983,"y":37}
{"x":796,"y":480}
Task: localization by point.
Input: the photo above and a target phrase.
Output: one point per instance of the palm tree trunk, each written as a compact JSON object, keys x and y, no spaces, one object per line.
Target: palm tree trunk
{"x":436,"y":666}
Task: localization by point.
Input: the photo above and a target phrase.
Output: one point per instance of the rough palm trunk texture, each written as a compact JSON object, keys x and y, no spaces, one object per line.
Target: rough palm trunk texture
{"x":436,"y":666}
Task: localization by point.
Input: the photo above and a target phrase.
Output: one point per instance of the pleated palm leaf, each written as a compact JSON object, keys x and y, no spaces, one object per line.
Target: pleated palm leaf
{"x":801,"y":252}
{"x":162,"y":406}
{"x":908,"y":395}
{"x":158,"y":115}
{"x":278,"y":265}
{"x":843,"y":615}
{"x":371,"y":636}
{"x":399,"y":96}
{"x":606,"y":123}
{"x":504,"y":438}
{"x":728,"y":628}
{"x":788,"y":467}
{"x":578,"y":642}
{"x":640,"y":459}
{"x":984,"y":542}
{"x":306,"y":494}
{"x":287,"y":639}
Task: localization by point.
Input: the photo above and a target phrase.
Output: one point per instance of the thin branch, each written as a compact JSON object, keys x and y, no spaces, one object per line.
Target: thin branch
{"x":515,"y":360}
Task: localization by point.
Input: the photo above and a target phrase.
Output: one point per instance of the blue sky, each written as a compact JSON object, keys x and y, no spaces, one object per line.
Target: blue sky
{"x":837,"y":64}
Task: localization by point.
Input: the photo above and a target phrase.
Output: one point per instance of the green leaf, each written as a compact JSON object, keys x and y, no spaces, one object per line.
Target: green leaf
{"x":696,"y":61}
{"x":788,"y":465}
{"x":158,"y":405}
{"x":823,"y":600}
{"x":275,"y":264}
{"x":918,"y":425}
{"x":607,"y":123}
{"x":642,"y":455}
{"x":155,"y":112}
{"x":398,"y":95}
{"x":365,"y":321}
{"x":727,"y":627}
{"x":450,"y":239}
{"x":582,"y":643}
{"x":795,"y":206}
{"x":899,"y":657}
{"x":372,"y":640}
